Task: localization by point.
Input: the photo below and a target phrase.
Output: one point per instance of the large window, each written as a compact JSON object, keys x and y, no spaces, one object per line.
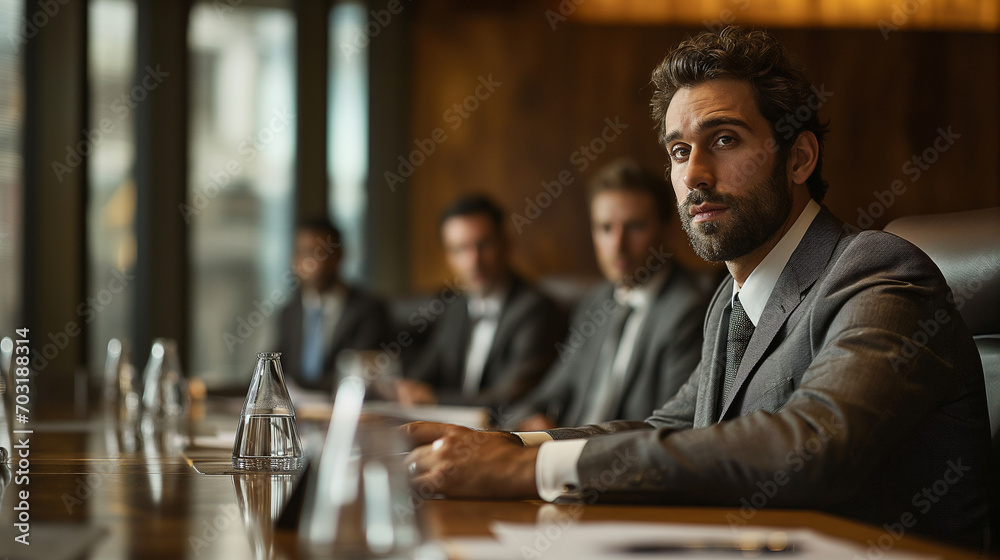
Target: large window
{"x":111,"y":247}
{"x":347,"y":130}
{"x":11,"y":169}
{"x":242,"y":150}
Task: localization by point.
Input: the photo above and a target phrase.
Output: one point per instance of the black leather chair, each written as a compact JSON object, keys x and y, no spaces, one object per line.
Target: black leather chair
{"x":966,"y":247}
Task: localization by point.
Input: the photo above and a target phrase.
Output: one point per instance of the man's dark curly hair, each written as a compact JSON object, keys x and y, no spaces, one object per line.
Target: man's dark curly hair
{"x":781,"y":90}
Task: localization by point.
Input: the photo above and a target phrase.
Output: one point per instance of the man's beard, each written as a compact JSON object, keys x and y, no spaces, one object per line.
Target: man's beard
{"x":754,"y":217}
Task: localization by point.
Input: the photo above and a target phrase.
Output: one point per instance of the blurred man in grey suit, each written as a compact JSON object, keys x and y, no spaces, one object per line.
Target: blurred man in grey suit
{"x":635,"y":339}
{"x":836,"y":373}
{"x":494,"y":341}
{"x":325,"y":315}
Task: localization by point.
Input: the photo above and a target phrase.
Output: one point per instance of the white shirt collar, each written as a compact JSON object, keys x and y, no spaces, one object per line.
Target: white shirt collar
{"x":639,"y":297}
{"x":759,"y":285}
{"x":490,"y":305}
{"x":331,"y":297}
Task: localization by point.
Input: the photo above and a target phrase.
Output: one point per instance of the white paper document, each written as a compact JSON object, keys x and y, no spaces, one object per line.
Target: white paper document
{"x":631,"y":541}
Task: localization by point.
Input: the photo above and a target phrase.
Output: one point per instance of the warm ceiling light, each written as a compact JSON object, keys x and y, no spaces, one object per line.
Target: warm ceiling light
{"x":886,"y":15}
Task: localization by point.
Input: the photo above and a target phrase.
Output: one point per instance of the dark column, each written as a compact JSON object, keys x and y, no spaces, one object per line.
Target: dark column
{"x":389,"y":82}
{"x":161,"y":289}
{"x":311,"y":109}
{"x":55,"y":171}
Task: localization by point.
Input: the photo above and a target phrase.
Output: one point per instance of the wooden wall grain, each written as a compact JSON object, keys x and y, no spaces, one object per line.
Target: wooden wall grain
{"x":559,"y":88}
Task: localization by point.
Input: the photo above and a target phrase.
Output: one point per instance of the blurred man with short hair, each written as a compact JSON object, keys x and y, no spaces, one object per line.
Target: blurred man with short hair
{"x":325,"y":315}
{"x":492,"y":344}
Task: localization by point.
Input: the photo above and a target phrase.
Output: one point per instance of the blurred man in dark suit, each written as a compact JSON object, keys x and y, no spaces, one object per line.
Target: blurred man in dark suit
{"x":836,"y":372}
{"x":325,"y":315}
{"x":493,"y":342}
{"x":635,"y":339}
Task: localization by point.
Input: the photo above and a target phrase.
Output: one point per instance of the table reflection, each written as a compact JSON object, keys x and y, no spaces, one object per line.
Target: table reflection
{"x":260,"y":498}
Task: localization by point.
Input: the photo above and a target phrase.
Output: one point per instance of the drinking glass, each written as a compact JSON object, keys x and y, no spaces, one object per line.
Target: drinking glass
{"x":119,"y":380}
{"x":358,"y":502}
{"x":164,"y":392}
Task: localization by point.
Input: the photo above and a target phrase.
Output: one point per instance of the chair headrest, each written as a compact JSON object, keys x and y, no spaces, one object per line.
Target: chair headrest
{"x":966,"y":247}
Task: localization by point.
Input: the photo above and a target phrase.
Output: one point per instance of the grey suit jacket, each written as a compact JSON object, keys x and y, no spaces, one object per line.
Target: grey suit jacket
{"x":363,"y":325}
{"x":861,"y":393}
{"x":523,"y":347}
{"x":666,"y":352}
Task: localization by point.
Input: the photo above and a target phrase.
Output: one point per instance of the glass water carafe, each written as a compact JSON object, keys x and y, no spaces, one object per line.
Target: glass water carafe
{"x":267,"y":438}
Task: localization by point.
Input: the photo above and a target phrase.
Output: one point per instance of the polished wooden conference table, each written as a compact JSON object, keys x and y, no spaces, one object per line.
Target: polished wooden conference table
{"x":98,"y":492}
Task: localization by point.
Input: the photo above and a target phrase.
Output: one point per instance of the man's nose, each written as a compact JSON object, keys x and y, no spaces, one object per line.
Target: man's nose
{"x":699,"y":173}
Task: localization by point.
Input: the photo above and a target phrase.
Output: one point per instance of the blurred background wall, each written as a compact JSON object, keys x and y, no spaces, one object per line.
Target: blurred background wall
{"x":155,"y":155}
{"x":889,"y":96}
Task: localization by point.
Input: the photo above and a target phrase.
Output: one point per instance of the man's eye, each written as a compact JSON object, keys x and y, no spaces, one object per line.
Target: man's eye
{"x":725,"y":140}
{"x":679,"y":153}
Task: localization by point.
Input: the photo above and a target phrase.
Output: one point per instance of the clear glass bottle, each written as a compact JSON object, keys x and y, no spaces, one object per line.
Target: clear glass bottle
{"x":267,"y":438}
{"x":164,"y":392}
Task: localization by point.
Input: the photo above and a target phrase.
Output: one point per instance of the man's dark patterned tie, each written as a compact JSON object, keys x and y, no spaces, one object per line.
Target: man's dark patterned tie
{"x":740,"y":331}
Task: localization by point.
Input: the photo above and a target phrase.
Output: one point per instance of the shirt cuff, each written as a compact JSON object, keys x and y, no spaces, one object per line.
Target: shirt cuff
{"x":555,"y":469}
{"x":533,"y":439}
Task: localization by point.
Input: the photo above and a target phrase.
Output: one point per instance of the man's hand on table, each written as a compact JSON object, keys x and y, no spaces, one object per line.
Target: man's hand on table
{"x":462,"y":463}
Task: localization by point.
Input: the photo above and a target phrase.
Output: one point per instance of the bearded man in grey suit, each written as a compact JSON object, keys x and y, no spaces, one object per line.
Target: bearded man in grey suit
{"x":635,"y":339}
{"x":836,"y":373}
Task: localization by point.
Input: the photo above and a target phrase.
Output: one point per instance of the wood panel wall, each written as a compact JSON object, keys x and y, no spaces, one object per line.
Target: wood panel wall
{"x":558,"y":90}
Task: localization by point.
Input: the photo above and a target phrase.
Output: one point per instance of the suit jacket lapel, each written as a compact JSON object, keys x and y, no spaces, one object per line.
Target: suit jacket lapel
{"x":803,"y":268}
{"x":646,"y":331}
{"x":510,"y":311}
{"x":456,"y":343}
{"x":707,"y":409}
{"x":336,"y":341}
{"x":293,"y":333}
{"x":590,"y":355}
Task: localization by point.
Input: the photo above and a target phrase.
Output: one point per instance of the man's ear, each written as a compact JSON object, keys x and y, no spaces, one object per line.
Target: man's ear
{"x":802,"y":157}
